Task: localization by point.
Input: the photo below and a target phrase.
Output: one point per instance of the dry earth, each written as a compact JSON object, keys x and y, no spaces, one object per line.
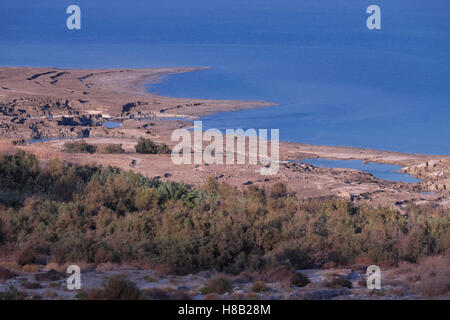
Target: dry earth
{"x":50,"y":283}
{"x":42,"y":103}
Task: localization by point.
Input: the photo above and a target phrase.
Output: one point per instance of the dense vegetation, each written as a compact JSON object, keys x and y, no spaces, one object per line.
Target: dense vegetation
{"x":84,"y":147}
{"x":79,"y":147}
{"x":69,"y":213}
{"x":147,"y":146}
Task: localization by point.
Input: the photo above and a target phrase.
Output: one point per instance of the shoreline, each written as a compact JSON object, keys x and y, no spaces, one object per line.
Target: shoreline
{"x":153,"y":75}
{"x":274,"y":104}
{"x":87,"y":97}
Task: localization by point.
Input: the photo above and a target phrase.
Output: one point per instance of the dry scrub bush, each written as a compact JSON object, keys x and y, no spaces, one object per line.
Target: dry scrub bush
{"x":79,"y":147}
{"x":118,"y":287}
{"x":97,"y":214}
{"x":286,"y":277}
{"x":147,"y":146}
{"x":433,"y":276}
{"x":259,"y":286}
{"x":217,"y":285}
{"x":109,"y":148}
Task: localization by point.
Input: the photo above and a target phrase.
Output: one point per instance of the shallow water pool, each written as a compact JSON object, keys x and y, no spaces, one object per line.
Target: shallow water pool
{"x":378,"y":170}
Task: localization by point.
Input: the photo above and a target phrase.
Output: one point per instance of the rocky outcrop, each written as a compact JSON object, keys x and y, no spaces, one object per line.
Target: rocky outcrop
{"x":83,"y":120}
{"x":40,"y":118}
{"x":435,"y":173}
{"x":38,"y":107}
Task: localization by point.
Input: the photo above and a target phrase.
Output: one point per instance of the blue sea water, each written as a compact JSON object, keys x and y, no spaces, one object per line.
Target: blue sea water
{"x":112,"y":124}
{"x":381,"y":171}
{"x":335,"y":81}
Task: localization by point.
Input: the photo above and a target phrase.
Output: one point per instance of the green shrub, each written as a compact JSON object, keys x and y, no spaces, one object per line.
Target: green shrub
{"x":19,"y":171}
{"x":259,"y":286}
{"x":163,"y":149}
{"x":103,"y":214}
{"x":147,"y":146}
{"x":120,"y":288}
{"x":217,"y":285}
{"x":177,"y":191}
{"x":79,"y":147}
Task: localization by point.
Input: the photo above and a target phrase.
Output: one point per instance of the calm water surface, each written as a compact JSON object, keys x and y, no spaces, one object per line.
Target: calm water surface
{"x":381,"y":171}
{"x":336,"y":82}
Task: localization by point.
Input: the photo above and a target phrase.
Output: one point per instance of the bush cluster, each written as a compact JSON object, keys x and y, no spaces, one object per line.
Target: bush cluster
{"x":259,"y":286}
{"x":79,"y":147}
{"x":84,"y":147}
{"x":118,"y":287}
{"x":217,"y":285}
{"x":110,"y":148}
{"x":147,"y":146}
{"x":68,"y":213}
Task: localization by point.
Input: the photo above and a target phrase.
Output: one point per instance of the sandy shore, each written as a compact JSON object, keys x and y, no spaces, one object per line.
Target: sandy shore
{"x":47,"y":102}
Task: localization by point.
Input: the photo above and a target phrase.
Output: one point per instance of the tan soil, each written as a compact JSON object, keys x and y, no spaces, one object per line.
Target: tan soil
{"x":44,"y":102}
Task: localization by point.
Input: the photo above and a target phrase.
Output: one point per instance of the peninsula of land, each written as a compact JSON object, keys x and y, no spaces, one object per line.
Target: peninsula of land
{"x":51,"y":104}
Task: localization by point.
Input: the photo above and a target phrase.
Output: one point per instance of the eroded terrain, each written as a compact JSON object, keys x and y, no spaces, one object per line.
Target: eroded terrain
{"x":407,"y":281}
{"x":40,"y":108}
{"x":44,"y":103}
